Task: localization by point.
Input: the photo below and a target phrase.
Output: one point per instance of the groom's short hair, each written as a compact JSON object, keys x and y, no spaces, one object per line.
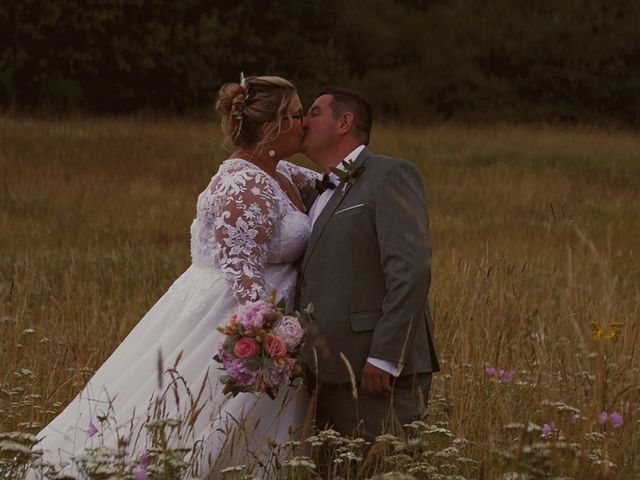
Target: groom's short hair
{"x":345,"y":100}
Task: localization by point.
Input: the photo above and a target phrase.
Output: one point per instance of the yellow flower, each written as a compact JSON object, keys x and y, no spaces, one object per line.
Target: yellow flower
{"x":614,"y":331}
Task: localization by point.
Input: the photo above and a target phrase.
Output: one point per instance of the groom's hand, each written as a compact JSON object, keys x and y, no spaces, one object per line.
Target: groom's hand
{"x":375,"y":381}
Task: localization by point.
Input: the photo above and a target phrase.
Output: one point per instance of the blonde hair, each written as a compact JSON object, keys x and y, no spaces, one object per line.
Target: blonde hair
{"x":244,"y":110}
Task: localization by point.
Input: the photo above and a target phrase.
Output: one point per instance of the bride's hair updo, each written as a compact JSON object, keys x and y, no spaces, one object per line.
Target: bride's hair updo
{"x":245,"y":109}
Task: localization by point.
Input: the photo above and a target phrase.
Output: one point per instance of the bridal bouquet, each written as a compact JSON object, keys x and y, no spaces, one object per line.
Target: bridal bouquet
{"x":260,"y":348}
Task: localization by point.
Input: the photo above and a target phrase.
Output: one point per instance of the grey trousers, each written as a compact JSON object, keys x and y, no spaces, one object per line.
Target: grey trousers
{"x":368,"y":416}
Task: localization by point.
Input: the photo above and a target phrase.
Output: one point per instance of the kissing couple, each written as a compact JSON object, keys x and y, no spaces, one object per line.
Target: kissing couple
{"x":352,"y":241}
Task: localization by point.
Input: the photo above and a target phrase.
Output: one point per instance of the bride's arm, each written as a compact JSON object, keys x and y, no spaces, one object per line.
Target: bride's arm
{"x":244,"y":222}
{"x":301,"y":177}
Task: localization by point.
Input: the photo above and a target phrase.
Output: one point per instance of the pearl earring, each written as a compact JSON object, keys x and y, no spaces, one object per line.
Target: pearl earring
{"x":272,"y":153}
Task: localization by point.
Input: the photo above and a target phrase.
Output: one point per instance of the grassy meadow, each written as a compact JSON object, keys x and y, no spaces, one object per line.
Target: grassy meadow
{"x":535,"y":287}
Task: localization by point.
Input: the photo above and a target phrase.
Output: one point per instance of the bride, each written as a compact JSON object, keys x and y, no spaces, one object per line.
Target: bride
{"x":160,"y":390}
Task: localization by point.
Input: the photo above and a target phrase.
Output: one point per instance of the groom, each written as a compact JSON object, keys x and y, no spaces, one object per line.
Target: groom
{"x":366,"y":270}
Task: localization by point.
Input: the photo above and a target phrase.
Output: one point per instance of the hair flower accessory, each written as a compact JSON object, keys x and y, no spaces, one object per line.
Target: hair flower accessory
{"x":237,"y":104}
{"x":239,"y":100}
{"x":348,"y":174}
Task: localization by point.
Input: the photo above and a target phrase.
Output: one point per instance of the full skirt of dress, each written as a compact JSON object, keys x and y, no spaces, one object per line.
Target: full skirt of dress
{"x":163,"y":371}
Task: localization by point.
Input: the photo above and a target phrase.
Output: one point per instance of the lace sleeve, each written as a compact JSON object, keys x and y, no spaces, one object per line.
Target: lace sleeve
{"x":301,"y":177}
{"x":244,"y":220}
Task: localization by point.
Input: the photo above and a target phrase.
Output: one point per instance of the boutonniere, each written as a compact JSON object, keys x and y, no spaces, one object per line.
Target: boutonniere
{"x":348,"y":174}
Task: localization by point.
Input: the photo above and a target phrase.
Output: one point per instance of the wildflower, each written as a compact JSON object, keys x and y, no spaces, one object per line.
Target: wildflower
{"x":599,"y":333}
{"x":505,"y":376}
{"x":614,"y":419}
{"x":91,"y":430}
{"x":234,"y":469}
{"x":596,"y":331}
{"x":615,"y":330}
{"x":140,"y":474}
{"x":573,"y":418}
{"x":143,"y":460}
{"x":13,"y":448}
{"x":603,"y":418}
{"x":301,"y":462}
{"x":548,"y":429}
{"x":459,"y":443}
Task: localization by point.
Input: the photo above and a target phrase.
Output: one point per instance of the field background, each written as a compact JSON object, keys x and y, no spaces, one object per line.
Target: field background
{"x":535,"y":233}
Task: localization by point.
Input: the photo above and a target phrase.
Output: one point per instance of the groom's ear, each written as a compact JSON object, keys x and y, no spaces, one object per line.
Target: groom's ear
{"x":345,"y":123}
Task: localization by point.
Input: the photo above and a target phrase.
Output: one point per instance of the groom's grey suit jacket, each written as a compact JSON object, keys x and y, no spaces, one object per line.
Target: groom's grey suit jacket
{"x":367,"y":271}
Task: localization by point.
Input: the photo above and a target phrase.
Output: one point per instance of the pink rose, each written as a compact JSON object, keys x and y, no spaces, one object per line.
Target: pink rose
{"x":274,"y":346}
{"x":245,"y":348}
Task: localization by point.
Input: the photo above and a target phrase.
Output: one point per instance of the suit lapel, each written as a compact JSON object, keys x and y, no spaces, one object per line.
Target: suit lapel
{"x":321,"y":222}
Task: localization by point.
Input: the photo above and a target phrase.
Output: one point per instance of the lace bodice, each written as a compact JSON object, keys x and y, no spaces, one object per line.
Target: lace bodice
{"x":245,"y":223}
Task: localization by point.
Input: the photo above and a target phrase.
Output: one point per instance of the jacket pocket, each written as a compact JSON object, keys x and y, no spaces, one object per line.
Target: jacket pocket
{"x":354,"y":210}
{"x":365,"y":321}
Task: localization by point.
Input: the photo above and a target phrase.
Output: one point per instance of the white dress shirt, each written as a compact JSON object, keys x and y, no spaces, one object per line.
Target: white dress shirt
{"x":324,"y":197}
{"x":314,"y":212}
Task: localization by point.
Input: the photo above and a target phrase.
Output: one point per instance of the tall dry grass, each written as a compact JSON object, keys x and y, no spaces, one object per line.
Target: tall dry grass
{"x":535,"y":234}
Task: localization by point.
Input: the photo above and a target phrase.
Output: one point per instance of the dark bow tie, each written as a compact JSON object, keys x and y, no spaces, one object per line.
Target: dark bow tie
{"x":324,"y":184}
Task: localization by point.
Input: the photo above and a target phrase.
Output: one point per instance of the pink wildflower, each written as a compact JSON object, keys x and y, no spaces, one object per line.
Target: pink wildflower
{"x":458,"y":444}
{"x":615,"y":419}
{"x":573,"y":418}
{"x":91,"y":430}
{"x":140,"y":474}
{"x":506,"y":376}
{"x":603,"y":418}
{"x":548,"y":429}
{"x":143,"y":460}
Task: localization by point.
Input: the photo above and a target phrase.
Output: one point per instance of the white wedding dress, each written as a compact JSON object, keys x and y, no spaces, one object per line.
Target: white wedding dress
{"x":244,"y":242}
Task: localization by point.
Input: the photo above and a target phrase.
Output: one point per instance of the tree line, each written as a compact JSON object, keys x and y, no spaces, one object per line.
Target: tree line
{"x":570,"y":61}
